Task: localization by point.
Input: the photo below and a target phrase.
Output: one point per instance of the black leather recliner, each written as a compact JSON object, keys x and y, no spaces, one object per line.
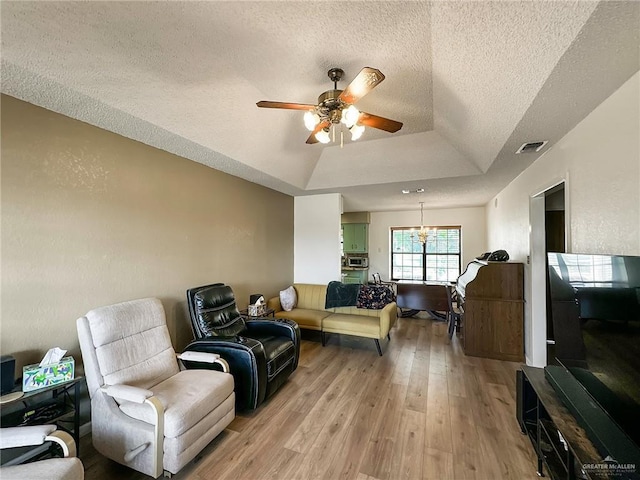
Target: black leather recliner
{"x":261,"y":352}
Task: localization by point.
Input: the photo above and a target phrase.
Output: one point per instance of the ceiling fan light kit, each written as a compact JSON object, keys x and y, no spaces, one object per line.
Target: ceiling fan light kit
{"x":335,"y":108}
{"x":350,"y":116}
{"x":311,"y":119}
{"x":356,"y":131}
{"x":323,"y":136}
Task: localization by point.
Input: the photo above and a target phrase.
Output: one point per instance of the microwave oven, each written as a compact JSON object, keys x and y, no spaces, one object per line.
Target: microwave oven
{"x":362,"y":262}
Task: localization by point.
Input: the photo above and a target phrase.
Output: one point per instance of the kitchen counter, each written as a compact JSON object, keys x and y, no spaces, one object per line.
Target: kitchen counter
{"x":355,"y":275}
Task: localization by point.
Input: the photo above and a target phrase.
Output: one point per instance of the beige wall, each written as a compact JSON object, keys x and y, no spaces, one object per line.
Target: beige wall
{"x":91,"y":218}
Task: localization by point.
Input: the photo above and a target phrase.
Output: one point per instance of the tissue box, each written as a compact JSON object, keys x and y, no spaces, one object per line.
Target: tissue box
{"x":255,"y":310}
{"x":35,"y":377}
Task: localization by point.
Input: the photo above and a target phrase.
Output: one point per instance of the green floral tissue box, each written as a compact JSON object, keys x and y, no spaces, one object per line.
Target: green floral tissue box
{"x":35,"y":377}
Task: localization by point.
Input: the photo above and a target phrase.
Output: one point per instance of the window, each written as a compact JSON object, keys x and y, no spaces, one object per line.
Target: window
{"x":584,"y":269}
{"x":437,"y":260}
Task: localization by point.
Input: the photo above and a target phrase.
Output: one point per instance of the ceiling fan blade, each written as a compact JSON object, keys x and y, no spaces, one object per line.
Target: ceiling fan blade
{"x":312,"y":138}
{"x":365,"y":81}
{"x":380,"y":123}
{"x":288,"y":106}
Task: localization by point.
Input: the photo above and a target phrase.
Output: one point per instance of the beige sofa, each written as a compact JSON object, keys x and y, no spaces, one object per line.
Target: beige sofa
{"x":310,"y":314}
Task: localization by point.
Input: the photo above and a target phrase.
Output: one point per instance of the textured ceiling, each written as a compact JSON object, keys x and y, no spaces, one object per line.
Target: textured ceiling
{"x":471,"y":81}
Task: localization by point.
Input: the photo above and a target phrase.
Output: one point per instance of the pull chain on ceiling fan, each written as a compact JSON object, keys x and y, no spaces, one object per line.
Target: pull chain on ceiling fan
{"x":336,"y":107}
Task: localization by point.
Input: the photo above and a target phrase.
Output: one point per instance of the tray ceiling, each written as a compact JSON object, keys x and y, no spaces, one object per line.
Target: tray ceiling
{"x":471,"y":81}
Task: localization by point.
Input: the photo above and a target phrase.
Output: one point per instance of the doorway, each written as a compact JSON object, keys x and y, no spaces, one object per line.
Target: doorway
{"x":554,"y":219}
{"x":555,"y":241}
{"x":548,"y":216}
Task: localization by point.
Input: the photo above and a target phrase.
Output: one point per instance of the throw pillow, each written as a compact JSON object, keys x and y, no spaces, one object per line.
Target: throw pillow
{"x":288,"y":299}
{"x":374,"y":297}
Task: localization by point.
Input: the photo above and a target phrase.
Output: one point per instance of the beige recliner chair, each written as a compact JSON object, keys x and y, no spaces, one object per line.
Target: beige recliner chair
{"x":68,"y":468}
{"x":146,"y":412}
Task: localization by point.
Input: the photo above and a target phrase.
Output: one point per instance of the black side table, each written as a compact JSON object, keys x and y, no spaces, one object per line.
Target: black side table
{"x":269,"y":312}
{"x":57,"y":404}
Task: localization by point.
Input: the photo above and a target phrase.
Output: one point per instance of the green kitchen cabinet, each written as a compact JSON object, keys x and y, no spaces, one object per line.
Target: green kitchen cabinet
{"x":354,"y":237}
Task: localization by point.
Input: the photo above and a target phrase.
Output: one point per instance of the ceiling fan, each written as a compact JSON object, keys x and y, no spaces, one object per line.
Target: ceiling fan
{"x":336,"y":106}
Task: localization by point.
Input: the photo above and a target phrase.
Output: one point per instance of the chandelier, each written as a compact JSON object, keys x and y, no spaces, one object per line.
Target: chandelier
{"x":423,"y":232}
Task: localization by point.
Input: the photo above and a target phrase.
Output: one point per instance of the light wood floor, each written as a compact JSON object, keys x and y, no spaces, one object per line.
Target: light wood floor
{"x":422,"y":411}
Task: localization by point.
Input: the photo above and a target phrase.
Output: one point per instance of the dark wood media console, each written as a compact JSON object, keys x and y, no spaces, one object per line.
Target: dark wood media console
{"x":561,"y":445}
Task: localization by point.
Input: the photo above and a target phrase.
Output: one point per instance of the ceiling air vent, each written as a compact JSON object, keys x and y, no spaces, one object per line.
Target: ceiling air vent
{"x":532,"y":147}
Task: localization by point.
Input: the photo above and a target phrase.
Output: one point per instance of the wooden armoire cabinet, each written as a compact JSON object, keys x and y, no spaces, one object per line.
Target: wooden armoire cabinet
{"x":491,"y":300}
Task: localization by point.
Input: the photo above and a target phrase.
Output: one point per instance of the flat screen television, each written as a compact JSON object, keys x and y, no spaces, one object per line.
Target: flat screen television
{"x":595,"y":306}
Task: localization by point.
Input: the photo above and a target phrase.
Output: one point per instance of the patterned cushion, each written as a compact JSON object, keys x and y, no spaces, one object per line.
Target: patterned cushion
{"x":374,"y":296}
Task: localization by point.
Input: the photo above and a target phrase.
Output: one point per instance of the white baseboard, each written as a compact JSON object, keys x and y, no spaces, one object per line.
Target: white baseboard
{"x":85,"y":429}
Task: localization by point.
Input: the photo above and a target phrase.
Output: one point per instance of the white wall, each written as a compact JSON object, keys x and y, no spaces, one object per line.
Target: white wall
{"x":317,"y":238}
{"x":472,"y":221}
{"x":600,"y":161}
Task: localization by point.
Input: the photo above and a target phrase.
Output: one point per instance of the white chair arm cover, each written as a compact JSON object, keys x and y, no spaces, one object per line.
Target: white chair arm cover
{"x":128,"y":392}
{"x":142,"y":395}
{"x":66,"y":442}
{"x":205,"y":357}
{"x":12,"y":437}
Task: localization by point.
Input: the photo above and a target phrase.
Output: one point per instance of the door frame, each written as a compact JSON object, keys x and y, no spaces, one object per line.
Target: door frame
{"x":536,"y":330}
